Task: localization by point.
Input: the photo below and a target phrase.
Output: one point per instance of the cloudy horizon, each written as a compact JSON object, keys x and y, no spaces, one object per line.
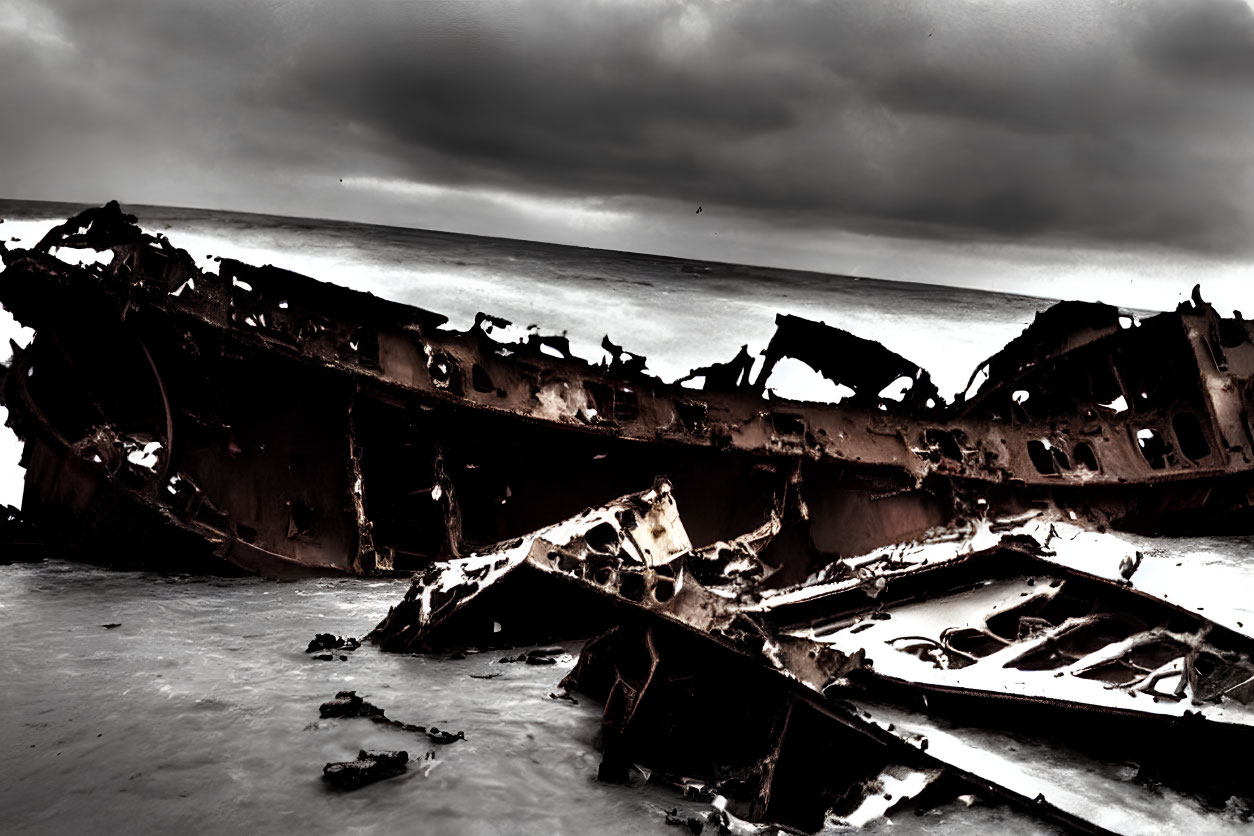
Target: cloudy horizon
{"x":1060,"y":149}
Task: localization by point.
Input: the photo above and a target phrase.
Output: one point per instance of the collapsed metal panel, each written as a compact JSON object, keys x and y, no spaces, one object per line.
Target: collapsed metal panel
{"x":980,"y":625}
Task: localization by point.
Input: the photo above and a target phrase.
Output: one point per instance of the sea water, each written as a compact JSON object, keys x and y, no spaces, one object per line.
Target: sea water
{"x":198,"y":713}
{"x":198,"y":710}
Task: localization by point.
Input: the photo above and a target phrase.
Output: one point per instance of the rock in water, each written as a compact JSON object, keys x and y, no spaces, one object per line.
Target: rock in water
{"x":442,"y":737}
{"x":330,"y":641}
{"x":368,"y":768}
{"x":348,"y":704}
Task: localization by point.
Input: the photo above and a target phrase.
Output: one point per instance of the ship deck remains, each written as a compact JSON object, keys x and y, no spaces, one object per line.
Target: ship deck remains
{"x":257,"y":420}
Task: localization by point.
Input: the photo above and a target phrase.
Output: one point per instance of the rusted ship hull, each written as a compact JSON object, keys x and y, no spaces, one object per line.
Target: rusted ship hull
{"x":293,"y":426}
{"x":821,"y":701}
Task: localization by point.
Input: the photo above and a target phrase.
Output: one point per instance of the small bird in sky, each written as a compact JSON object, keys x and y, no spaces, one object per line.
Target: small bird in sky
{"x":698,"y":210}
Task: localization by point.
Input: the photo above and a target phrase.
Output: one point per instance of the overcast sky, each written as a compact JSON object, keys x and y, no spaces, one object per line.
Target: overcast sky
{"x":1065,"y":148}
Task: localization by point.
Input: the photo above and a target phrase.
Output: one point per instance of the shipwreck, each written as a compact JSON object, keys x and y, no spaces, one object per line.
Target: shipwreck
{"x":256,"y":420}
{"x":886,"y":584}
{"x":876,"y":683}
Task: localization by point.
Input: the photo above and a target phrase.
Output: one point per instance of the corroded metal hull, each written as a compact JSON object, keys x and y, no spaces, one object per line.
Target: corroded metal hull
{"x":922,"y":669}
{"x":289,"y":426}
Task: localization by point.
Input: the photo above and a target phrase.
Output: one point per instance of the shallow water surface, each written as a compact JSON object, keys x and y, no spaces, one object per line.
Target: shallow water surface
{"x":199,"y":713}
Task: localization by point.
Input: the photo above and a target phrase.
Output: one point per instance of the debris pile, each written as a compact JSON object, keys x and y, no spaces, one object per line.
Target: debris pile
{"x":873,"y":684}
{"x":328,"y":641}
{"x":347,"y":704}
{"x":369,"y":767}
{"x":337,"y":645}
{"x":374,"y":766}
{"x":536,"y":656}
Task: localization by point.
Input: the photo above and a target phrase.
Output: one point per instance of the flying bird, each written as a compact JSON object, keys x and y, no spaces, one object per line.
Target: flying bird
{"x":698,"y":210}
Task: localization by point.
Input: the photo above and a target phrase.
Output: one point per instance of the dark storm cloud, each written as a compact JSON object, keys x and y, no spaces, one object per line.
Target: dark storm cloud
{"x":1212,"y":40}
{"x":1067,"y":121}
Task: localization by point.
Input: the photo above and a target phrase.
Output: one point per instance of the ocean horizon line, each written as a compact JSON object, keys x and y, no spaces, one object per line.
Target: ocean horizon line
{"x":65,"y":209}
